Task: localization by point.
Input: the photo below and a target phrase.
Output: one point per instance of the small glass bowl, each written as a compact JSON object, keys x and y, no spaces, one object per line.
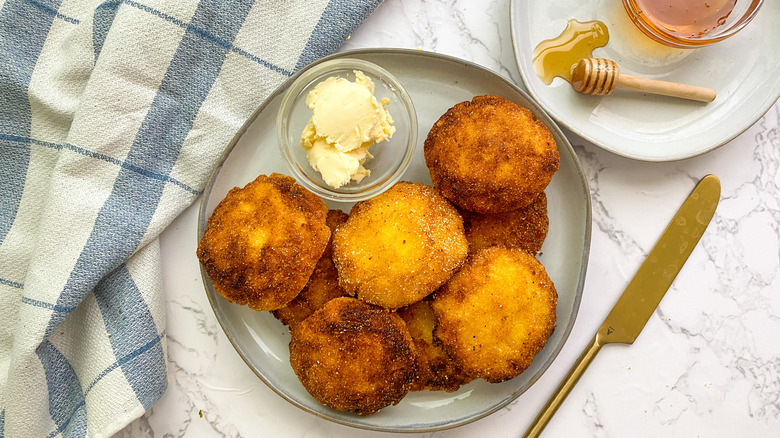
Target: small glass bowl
{"x":390,"y":158}
{"x":744,"y":11}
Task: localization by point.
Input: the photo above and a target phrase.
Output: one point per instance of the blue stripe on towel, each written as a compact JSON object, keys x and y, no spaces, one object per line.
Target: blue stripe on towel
{"x":125,"y":216}
{"x":139,"y":352}
{"x":45,"y":305}
{"x":101,"y":22}
{"x":26,"y":142}
{"x":13,"y":284}
{"x":129,"y":324}
{"x":19,"y":21}
{"x":51,"y":8}
{"x":340,"y":19}
{"x":136,"y":344}
{"x":105,"y":13}
{"x":66,"y":400}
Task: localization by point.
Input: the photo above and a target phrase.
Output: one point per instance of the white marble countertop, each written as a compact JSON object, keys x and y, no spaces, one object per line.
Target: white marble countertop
{"x":707,"y":363}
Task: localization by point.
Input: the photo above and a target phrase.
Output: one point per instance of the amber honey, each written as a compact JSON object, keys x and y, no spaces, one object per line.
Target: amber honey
{"x":559,"y":55}
{"x":688,"y":24}
{"x":686,"y":18}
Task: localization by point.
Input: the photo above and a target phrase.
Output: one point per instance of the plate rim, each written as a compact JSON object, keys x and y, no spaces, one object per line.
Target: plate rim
{"x":202,"y":218}
{"x":514,"y":24}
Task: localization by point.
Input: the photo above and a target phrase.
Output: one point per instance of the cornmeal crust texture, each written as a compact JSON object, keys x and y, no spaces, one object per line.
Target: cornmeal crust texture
{"x":490,"y":155}
{"x":323,"y":284}
{"x":353,"y":356}
{"x":525,"y":228}
{"x":496,"y":313}
{"x":399,"y":246}
{"x":262,"y":242}
{"x":437,"y":372}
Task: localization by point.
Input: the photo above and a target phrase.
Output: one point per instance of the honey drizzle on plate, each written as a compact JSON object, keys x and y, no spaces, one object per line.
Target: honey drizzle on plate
{"x":559,"y":55}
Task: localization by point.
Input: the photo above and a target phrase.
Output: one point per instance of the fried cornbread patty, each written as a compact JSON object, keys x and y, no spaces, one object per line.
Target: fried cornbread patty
{"x":490,"y":155}
{"x":524,"y":228}
{"x":262,"y":242}
{"x":496,"y":313}
{"x":323,"y":284}
{"x":399,"y":246}
{"x":437,"y":372}
{"x":353,"y":356}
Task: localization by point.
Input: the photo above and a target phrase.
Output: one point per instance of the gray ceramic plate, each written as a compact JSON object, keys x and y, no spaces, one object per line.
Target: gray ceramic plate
{"x":435,"y":83}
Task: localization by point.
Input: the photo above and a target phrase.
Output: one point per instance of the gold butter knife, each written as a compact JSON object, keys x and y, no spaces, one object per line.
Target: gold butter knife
{"x":642,"y":295}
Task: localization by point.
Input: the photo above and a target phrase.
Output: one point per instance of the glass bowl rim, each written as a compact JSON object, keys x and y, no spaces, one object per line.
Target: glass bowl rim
{"x":315,"y":72}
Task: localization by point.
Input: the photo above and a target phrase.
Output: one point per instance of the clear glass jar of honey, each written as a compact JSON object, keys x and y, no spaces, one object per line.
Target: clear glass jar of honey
{"x":691,"y":23}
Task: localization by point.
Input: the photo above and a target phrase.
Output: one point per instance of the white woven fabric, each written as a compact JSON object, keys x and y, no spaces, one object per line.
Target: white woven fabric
{"x":111,"y":119}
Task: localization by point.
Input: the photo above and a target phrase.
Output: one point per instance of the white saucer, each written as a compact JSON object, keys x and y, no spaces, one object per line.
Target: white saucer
{"x":744,"y":70}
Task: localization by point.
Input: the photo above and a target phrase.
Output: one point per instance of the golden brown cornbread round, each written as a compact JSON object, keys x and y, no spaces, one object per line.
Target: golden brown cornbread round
{"x":490,"y":155}
{"x":262,"y":242}
{"x":323,"y":285}
{"x":524,"y":228}
{"x":496,"y":313}
{"x":353,"y":356}
{"x":399,"y":246}
{"x":437,"y":372}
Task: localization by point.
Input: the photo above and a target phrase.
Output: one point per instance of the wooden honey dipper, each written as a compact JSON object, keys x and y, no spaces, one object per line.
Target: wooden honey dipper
{"x":598,"y":76}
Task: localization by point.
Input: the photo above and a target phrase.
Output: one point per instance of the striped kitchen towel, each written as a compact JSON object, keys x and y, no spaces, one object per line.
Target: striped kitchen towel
{"x":112,"y":116}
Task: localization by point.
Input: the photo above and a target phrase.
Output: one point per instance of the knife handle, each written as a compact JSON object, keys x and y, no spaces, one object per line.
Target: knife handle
{"x":565,"y":387}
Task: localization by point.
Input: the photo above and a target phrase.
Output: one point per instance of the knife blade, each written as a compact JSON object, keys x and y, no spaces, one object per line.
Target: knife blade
{"x":645,"y":290}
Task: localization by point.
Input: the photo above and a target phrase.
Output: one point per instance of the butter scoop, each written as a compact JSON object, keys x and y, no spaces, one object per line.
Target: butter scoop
{"x":338,"y":168}
{"x":346,"y":120}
